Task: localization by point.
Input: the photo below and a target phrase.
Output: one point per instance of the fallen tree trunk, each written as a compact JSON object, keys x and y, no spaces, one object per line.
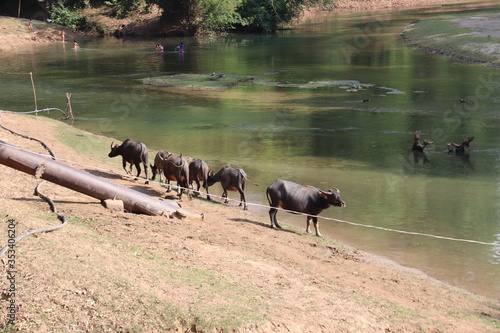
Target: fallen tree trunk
{"x":86,"y":183}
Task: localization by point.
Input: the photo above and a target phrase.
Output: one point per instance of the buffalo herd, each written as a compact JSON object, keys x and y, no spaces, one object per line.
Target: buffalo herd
{"x":185,"y":171}
{"x":292,"y":197}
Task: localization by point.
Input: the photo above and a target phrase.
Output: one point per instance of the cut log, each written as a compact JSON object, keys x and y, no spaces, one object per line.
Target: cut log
{"x":86,"y":183}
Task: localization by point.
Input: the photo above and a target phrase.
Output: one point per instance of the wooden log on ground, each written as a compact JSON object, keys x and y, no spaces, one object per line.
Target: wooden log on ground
{"x":86,"y":183}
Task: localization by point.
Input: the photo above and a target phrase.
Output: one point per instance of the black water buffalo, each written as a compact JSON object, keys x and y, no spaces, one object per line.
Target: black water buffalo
{"x":133,"y":152}
{"x":198,"y":170}
{"x":231,"y":179}
{"x":157,"y":167}
{"x":417,"y":148}
{"x":417,"y":145}
{"x":301,"y":198}
{"x":175,"y":168}
{"x":460,"y":148}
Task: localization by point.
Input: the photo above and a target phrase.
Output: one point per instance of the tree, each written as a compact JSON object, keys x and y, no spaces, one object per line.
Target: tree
{"x":268,"y":15}
{"x":217,"y":15}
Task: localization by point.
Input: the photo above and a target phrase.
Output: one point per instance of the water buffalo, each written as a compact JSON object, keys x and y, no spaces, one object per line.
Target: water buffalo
{"x":157,"y":168}
{"x":417,"y":145}
{"x":460,"y":148}
{"x":300,"y":198}
{"x":231,"y":179}
{"x":133,"y":152}
{"x":418,"y":149}
{"x":198,"y":170}
{"x":175,"y":168}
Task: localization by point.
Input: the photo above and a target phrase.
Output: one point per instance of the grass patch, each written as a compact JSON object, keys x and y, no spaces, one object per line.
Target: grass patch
{"x":90,"y":145}
{"x":198,"y":81}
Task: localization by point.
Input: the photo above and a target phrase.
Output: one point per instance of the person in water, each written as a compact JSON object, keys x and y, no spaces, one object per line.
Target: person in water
{"x":159,"y":47}
{"x":180,"y":47}
{"x":75,"y":44}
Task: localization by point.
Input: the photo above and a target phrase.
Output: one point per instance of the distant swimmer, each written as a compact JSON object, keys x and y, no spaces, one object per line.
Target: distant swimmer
{"x":180,"y":47}
{"x":75,"y":44}
{"x":158,"y":47}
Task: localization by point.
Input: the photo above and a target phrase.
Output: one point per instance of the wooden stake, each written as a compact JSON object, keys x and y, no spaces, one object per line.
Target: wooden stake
{"x":69,"y":110}
{"x":34,"y":92}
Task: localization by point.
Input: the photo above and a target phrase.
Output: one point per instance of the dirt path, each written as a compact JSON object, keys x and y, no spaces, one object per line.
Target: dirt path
{"x":122,"y":272}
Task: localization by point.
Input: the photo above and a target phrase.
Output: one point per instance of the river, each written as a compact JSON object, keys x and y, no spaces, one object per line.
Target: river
{"x":334,"y":103}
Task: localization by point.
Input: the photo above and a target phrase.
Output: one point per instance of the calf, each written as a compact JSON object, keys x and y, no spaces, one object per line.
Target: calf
{"x":302,"y":199}
{"x":198,"y":170}
{"x":133,"y":152}
{"x":231,"y":179}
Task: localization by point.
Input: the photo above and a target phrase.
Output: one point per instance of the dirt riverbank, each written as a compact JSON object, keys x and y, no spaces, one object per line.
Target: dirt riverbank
{"x":123,"y":272}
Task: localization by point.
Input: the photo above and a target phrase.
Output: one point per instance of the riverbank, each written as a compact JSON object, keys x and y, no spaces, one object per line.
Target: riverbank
{"x":110,"y":272}
{"x":14,"y":32}
{"x":473,"y":38}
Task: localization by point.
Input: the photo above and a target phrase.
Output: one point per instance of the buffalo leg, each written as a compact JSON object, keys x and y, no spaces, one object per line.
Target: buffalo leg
{"x":316,"y":225}
{"x":138,"y":167}
{"x":224,"y":195}
{"x":308,"y":224}
{"x":180,"y":184}
{"x":154,"y":171}
{"x":242,"y":200}
{"x":167,"y":181}
{"x":124,"y":163}
{"x":206,"y":189}
{"x":272,"y":214}
{"x":198,"y":185}
{"x":146,"y":172}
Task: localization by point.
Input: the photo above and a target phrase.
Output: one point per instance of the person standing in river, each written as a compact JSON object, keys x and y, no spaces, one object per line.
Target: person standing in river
{"x":180,"y":47}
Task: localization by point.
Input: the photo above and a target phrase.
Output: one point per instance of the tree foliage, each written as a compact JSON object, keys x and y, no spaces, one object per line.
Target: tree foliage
{"x":67,"y":16}
{"x":196,"y":16}
{"x":216,"y":15}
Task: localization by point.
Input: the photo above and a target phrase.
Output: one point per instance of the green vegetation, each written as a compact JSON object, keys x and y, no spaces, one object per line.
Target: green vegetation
{"x":68,"y":17}
{"x":191,"y":16}
{"x":452,"y":36}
